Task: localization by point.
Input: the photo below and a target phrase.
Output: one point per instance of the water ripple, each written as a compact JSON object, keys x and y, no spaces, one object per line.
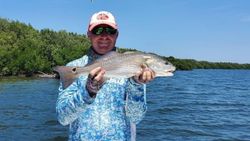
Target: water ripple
{"x":199,"y":105}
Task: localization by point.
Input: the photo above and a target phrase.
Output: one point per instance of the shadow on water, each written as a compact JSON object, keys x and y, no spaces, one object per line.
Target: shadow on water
{"x":57,"y":138}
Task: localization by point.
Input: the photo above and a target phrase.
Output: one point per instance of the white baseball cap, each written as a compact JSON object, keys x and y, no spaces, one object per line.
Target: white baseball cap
{"x":102,"y":17}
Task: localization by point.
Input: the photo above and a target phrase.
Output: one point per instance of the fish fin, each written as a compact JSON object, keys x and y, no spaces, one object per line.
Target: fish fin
{"x":105,"y":57}
{"x":144,"y":65}
{"x":129,"y":52}
{"x":147,"y":57}
{"x":109,"y":55}
{"x":105,"y":78}
{"x":67,"y":74}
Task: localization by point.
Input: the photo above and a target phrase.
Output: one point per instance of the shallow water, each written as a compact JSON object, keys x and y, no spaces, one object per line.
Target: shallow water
{"x":200,"y":105}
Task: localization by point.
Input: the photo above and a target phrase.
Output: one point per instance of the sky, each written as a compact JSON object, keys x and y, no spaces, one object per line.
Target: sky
{"x":204,"y":30}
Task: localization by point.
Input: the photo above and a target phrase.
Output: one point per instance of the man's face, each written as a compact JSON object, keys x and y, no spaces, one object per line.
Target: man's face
{"x":103,"y":38}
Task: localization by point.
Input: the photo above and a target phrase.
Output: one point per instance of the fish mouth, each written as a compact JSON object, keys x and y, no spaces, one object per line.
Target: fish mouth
{"x":165,"y":73}
{"x":169,"y":72}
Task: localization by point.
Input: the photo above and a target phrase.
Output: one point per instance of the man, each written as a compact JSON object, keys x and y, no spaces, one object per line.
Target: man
{"x":96,"y":109}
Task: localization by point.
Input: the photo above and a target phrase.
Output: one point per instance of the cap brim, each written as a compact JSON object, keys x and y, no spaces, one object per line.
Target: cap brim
{"x":96,"y":24}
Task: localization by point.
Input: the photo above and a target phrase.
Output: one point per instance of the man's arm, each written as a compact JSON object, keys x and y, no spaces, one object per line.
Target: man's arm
{"x":136,"y":94}
{"x":72,"y":101}
{"x":136,"y":106}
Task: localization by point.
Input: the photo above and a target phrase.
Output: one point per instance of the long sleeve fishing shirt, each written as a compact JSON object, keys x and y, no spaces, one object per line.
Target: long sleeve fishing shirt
{"x":111,"y":116}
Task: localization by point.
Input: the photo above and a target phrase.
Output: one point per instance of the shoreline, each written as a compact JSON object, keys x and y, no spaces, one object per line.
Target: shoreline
{"x":45,"y":75}
{"x":37,"y":75}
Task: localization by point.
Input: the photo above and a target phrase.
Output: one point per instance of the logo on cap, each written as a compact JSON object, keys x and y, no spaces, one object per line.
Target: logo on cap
{"x":102,"y":16}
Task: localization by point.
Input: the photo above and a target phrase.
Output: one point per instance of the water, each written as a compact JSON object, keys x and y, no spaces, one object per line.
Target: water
{"x":199,"y":105}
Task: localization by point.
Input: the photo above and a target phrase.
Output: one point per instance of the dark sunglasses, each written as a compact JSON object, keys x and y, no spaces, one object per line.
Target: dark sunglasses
{"x":99,"y":30}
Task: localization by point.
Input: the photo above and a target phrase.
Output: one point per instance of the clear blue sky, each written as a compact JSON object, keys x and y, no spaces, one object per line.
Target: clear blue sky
{"x":211,"y":30}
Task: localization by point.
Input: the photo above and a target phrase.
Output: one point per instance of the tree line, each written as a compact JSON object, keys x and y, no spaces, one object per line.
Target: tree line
{"x":26,"y":51}
{"x":190,"y":64}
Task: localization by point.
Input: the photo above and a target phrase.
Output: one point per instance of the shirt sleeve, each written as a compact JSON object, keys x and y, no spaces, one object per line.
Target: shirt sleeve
{"x":72,"y":101}
{"x":136,"y":106}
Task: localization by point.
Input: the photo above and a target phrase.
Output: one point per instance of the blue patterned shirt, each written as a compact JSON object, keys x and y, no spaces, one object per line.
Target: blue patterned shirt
{"x":119,"y":105}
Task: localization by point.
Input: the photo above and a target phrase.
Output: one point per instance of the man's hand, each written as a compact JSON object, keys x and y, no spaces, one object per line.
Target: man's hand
{"x":97,"y":74}
{"x":145,"y":75}
{"x":95,"y":81}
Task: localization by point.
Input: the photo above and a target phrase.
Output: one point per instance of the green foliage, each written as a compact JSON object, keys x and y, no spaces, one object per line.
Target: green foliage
{"x":122,"y":50}
{"x":25,"y":50}
{"x":190,"y":64}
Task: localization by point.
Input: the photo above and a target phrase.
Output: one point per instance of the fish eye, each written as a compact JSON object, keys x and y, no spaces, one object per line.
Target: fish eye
{"x":74,"y":70}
